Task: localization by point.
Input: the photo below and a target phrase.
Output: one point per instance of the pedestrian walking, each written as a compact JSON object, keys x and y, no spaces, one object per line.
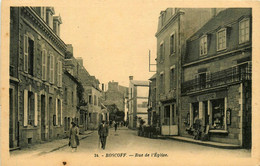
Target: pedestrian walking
{"x":74,"y":137}
{"x":103,"y":133}
{"x":115,"y":126}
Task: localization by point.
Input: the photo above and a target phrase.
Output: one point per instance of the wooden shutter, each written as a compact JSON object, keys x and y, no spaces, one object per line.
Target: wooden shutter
{"x":25,"y":51}
{"x":44,"y":64}
{"x":35,"y":109}
{"x":25,"y":110}
{"x":61,"y":112}
{"x":56,"y":112}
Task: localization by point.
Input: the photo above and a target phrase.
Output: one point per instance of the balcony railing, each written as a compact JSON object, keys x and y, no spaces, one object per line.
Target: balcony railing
{"x":224,"y":77}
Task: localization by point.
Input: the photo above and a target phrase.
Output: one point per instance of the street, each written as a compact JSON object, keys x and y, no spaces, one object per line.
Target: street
{"x":126,"y":141}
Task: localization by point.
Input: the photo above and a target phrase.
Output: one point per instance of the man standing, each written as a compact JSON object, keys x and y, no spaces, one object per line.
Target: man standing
{"x":103,"y":133}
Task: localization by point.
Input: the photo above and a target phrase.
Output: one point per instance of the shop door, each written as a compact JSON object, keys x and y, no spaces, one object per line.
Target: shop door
{"x":170,"y":126}
{"x":42,"y":117}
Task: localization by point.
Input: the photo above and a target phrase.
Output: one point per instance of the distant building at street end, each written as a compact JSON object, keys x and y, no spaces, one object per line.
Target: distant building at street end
{"x":116,"y":94}
{"x":137,"y":102}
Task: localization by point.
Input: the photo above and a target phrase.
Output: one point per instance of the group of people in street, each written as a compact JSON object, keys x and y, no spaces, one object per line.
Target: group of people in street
{"x":103,"y":130}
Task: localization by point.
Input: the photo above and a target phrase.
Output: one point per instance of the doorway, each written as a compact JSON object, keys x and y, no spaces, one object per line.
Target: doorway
{"x":43,"y":106}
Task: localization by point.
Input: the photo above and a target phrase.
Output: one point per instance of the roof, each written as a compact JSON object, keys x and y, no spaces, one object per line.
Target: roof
{"x":224,"y":18}
{"x":140,"y":83}
{"x":153,"y":77}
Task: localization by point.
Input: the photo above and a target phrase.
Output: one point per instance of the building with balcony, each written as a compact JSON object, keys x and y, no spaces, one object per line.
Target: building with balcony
{"x":36,"y":64}
{"x":216,"y":86}
{"x":137,"y":102}
{"x":175,"y":25}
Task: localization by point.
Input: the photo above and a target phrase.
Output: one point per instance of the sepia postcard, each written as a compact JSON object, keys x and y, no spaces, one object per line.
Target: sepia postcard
{"x":129,"y":83}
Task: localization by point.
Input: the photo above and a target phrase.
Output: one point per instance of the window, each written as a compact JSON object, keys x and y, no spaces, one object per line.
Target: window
{"x":44,"y":64}
{"x":221,"y":39}
{"x":172,"y":44}
{"x":65,"y":124}
{"x":99,"y":102}
{"x":202,"y":80}
{"x":51,"y":62}
{"x":65,"y":95}
{"x":161,"y":83}
{"x":72,"y":98}
{"x":167,"y":115}
{"x":25,"y":51}
{"x":28,"y":55}
{"x":218,"y":114}
{"x":90,"y":99}
{"x":59,"y":74}
{"x":95,"y":100}
{"x":172,"y":78}
{"x":161,"y":52}
{"x":203,"y":45}
{"x":59,"y":112}
{"x":244,"y":31}
{"x":81,"y":118}
{"x":31,"y":107}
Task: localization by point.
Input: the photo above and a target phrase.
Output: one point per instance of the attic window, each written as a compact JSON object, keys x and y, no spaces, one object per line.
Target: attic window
{"x":221,"y":39}
{"x":244,"y":31}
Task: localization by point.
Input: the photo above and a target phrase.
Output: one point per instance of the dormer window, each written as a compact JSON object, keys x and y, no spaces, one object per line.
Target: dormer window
{"x":244,"y":31}
{"x":203,"y":45}
{"x":221,"y":39}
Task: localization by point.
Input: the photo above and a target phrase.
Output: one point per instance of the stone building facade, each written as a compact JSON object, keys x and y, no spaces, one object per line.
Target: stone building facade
{"x":116,"y":94}
{"x":216,"y":84}
{"x":36,"y":61}
{"x":175,"y":25}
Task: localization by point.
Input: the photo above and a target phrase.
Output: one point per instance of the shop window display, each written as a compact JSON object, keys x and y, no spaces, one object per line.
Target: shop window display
{"x":218,"y":114}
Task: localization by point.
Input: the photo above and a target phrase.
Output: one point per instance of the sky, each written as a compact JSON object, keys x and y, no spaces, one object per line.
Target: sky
{"x":112,"y":38}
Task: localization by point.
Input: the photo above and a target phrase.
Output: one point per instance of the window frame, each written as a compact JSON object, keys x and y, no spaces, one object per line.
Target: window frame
{"x":173,"y":45}
{"x":161,"y":51}
{"x":52,"y":65}
{"x":172,"y":77}
{"x":225,"y":39}
{"x":203,"y":40}
{"x":239,"y":30}
{"x":44,"y":65}
{"x":26,"y":52}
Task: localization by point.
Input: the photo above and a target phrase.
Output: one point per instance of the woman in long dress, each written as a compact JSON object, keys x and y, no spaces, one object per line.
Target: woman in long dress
{"x":74,"y":136}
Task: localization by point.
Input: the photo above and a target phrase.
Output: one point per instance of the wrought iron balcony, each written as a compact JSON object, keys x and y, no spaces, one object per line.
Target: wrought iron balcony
{"x":228,"y":76}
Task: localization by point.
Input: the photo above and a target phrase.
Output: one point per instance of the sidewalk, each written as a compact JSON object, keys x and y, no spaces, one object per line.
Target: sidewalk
{"x":199,"y":142}
{"x":47,"y":147}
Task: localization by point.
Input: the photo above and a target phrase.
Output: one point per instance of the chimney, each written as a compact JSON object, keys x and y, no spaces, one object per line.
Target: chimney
{"x":80,"y":61}
{"x":213,"y":12}
{"x":103,"y":88}
{"x":56,"y":24}
{"x":131,"y":77}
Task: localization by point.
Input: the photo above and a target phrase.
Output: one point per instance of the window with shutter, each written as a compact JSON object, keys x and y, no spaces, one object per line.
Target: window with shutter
{"x":172,"y":44}
{"x":25,"y":51}
{"x":25,"y":110}
{"x":51,"y":68}
{"x":56,"y":112}
{"x":35,"y":109}
{"x":44,"y":64}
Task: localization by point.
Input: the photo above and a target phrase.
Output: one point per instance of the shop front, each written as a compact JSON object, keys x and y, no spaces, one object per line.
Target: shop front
{"x":169,"y":119}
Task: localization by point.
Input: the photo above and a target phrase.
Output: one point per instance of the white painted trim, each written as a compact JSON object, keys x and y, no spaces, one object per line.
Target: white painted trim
{"x":162,"y":42}
{"x":35,"y":109}
{"x":172,"y":67}
{"x":25,"y":108}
